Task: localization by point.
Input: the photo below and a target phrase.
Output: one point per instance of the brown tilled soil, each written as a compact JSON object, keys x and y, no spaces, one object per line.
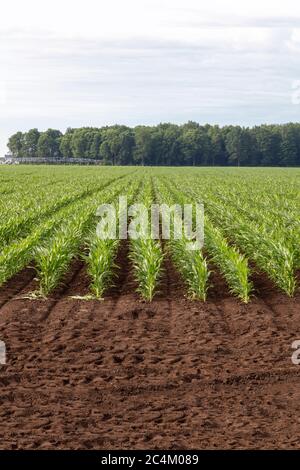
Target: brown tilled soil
{"x":123,"y":374}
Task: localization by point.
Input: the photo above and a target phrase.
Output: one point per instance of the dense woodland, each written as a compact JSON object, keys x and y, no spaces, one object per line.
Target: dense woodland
{"x":166,"y":144}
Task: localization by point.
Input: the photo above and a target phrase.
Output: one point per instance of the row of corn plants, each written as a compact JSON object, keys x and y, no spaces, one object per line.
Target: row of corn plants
{"x":273,"y":208}
{"x":101,"y":251}
{"x":18,"y":254}
{"x":34,"y":188}
{"x":279,"y":223}
{"x":232,"y":264}
{"x":52,"y":259}
{"x":190,"y":263}
{"x":20,"y":196}
{"x":145,"y":251}
{"x":271,"y":250}
{"x":19,"y":223}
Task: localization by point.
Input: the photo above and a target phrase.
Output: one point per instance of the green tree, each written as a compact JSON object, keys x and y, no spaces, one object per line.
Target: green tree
{"x":288,"y":146}
{"x":195,"y":146}
{"x":167,"y":144}
{"x":144,"y":145}
{"x":16,"y":144}
{"x":65,"y":145}
{"x":268,"y":141}
{"x":30,"y":145}
{"x":217,"y":146}
{"x":237,"y":145}
{"x":49,"y":143}
{"x":79,"y":143}
{"x":95,"y":144}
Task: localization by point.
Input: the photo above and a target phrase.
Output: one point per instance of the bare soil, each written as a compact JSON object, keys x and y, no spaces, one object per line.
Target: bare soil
{"x":124,"y":374}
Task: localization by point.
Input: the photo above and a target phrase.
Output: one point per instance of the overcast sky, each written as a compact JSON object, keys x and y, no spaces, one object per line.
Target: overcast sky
{"x":93,"y":62}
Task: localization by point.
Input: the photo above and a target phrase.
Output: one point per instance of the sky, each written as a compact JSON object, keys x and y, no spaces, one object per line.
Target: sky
{"x":70,"y":63}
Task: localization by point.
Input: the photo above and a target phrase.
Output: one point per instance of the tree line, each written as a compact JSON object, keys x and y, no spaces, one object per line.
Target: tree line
{"x":166,"y":144}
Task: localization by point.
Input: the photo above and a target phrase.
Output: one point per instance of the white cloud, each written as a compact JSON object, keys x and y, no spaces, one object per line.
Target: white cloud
{"x":66,"y":62}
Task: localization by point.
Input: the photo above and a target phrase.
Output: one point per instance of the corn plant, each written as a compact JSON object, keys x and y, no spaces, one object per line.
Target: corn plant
{"x":274,"y":257}
{"x":100,"y":262}
{"x":19,"y":253}
{"x":250,"y":215}
{"x":193,"y":267}
{"x":147,"y":258}
{"x":53,"y":259}
{"x":146,"y":253}
{"x":101,"y":254}
{"x":270,"y":248}
{"x":272,"y":254}
{"x":20,"y":223}
{"x":191,"y":263}
{"x":232,"y":264}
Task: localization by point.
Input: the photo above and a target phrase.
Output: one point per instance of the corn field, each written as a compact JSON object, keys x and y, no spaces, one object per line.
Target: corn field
{"x":251,"y":227}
